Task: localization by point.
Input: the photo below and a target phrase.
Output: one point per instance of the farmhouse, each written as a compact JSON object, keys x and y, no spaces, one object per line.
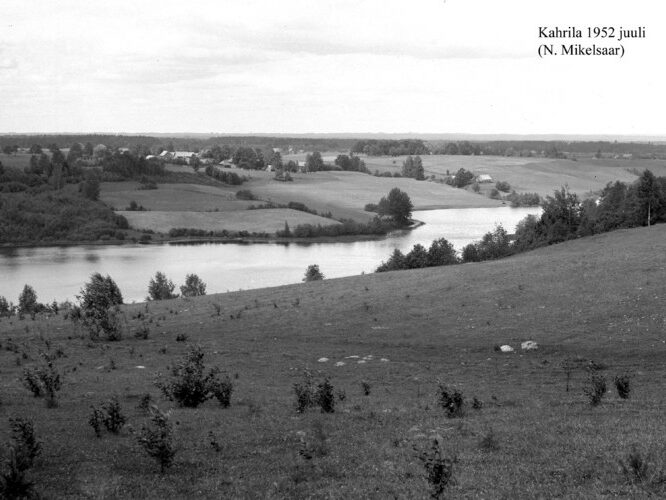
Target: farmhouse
{"x":183,"y":155}
{"x":483,"y":178}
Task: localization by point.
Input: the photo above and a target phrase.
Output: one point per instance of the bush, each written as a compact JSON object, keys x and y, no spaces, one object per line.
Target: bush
{"x":23,"y":449}
{"x":161,"y":288}
{"x":43,"y":381}
{"x":366,"y":388}
{"x":189,"y":385}
{"x":623,"y":385}
{"x":305,"y":394}
{"x":451,"y":401}
{"x":312,"y":273}
{"x":439,"y":468}
{"x":222,"y":390}
{"x":503,"y":186}
{"x":157,"y":439}
{"x":325,"y":396}
{"x":597,"y":389}
{"x":113,"y":418}
{"x":245,"y":194}
{"x":371,"y":207}
{"x":193,"y":286}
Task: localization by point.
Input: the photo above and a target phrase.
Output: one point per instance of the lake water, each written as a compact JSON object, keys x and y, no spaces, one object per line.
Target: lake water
{"x":60,"y":272}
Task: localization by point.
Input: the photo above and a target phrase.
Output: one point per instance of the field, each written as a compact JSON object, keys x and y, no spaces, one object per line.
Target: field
{"x":343,"y":194}
{"x":264,"y":220}
{"x":174,"y":197}
{"x":532,"y":175}
{"x":593,"y":302}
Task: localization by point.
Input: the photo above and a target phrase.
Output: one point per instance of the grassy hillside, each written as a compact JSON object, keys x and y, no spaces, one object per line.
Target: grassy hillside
{"x":599,"y":299}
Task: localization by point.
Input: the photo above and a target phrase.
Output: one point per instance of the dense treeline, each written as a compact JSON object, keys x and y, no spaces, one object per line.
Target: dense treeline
{"x":374,"y":147}
{"x":347,"y":227}
{"x":564,"y":217}
{"x":56,"y":216}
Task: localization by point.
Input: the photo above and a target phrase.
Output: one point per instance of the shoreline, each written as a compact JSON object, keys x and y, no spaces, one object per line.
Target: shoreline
{"x":212,"y":239}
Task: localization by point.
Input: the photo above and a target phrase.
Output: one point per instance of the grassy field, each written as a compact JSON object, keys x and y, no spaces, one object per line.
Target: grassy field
{"x":533,"y":175}
{"x":174,"y":197}
{"x":597,"y":299}
{"x":345,"y":194}
{"x":265,"y":220}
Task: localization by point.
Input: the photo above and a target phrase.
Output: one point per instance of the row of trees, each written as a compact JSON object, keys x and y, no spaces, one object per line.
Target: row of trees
{"x":402,"y":147}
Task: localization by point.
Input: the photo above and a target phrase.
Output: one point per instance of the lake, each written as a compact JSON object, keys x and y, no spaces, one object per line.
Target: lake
{"x":60,"y":272}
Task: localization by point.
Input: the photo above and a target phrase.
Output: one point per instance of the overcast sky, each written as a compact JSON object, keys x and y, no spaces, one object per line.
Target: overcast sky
{"x":296,"y":66}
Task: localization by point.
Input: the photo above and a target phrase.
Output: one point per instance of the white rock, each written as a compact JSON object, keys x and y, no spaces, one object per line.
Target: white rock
{"x":384,"y":360}
{"x":340,"y":363}
{"x":529,"y":345}
{"x":506,"y":348}
{"x":353,"y":357}
{"x":360,"y":362}
{"x":140,"y":367}
{"x":322,"y":360}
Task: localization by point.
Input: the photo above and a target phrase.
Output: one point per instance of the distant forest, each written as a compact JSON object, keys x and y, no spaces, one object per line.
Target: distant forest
{"x":371,"y":147}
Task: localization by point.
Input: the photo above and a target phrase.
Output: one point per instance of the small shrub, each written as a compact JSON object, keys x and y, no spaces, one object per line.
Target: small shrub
{"x":342,"y":395}
{"x":477,"y":404}
{"x":189,"y":385}
{"x":44,"y":381}
{"x":366,"y":388}
{"x":312,"y":273}
{"x":161,"y":288}
{"x":623,"y":385}
{"x":23,"y":449}
{"x":452,"y":401}
{"x":305,"y":394}
{"x":27,"y":302}
{"x":597,"y":388}
{"x":193,"y":287}
{"x":222,"y":390}
{"x":114,"y":420}
{"x":218,"y":309}
{"x":438,"y":467}
{"x":96,"y":420}
{"x":325,"y":396}
{"x":157,"y":438}
{"x":181,"y":337}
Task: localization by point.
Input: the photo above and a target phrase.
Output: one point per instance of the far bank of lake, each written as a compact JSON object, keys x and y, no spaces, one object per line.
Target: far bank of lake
{"x":60,"y":272}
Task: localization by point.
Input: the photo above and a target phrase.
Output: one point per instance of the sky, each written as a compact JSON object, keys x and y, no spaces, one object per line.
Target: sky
{"x":324,"y":66}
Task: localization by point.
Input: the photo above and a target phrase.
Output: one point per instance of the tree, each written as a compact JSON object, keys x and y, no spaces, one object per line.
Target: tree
{"x":417,"y":257}
{"x":313,"y":273}
{"x":314,"y":162}
{"x":193,"y":286}
{"x":90,"y":187}
{"x":88,"y":150}
{"x":396,"y":205}
{"x":441,"y":253}
{"x":96,"y":298}
{"x":75,"y":152}
{"x":99,"y":293}
{"x":413,"y":167}
{"x":462,"y":178}
{"x":27,"y":301}
{"x":7,"y":150}
{"x":35,"y":149}
{"x":649,"y":197}
{"x":161,"y":288}
{"x":396,"y":262}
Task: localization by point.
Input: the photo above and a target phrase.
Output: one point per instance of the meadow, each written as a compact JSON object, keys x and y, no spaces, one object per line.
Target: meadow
{"x":531,"y":175}
{"x":385,"y":341}
{"x":265,"y":220}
